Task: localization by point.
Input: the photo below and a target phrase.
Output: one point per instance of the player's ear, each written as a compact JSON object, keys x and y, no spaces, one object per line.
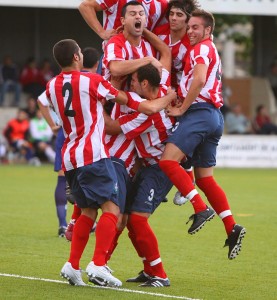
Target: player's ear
{"x":122,"y":20}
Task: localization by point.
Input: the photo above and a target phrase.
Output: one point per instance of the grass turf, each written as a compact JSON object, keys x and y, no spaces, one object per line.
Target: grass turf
{"x":196,"y":265}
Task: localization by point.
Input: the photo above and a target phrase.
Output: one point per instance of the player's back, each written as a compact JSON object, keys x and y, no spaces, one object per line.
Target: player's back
{"x":76,"y":98}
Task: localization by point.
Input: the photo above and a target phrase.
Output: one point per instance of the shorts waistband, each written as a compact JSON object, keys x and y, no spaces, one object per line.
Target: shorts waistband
{"x":118,"y":161}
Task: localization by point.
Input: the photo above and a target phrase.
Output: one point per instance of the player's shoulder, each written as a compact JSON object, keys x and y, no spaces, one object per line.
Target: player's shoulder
{"x":163,"y":29}
{"x":117,"y":39}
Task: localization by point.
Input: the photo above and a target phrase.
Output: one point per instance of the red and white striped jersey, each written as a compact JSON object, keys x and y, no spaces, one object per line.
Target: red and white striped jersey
{"x":178,"y":51}
{"x":76,"y":98}
{"x":119,"y":110}
{"x":206,"y":53}
{"x":155,"y":12}
{"x":118,"y":48}
{"x":148,"y":132}
{"x":118,"y":145}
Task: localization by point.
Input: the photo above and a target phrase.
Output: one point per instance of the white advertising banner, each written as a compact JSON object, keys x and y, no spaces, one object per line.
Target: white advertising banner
{"x":250,"y":151}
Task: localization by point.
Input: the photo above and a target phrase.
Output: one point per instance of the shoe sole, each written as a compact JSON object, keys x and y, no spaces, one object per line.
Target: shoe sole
{"x":65,"y":276}
{"x":135,"y":280}
{"x":101,"y":281}
{"x":202,"y":225}
{"x":235,"y":251}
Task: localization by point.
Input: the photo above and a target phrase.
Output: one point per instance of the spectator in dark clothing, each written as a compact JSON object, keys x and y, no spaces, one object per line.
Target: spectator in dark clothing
{"x":263,"y":123}
{"x":10,"y":77}
{"x":31,"y":108}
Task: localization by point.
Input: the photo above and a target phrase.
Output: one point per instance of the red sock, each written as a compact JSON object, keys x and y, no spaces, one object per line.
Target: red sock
{"x":113,"y":245}
{"x":76,"y":212}
{"x":105,"y":233}
{"x":148,"y":243}
{"x":79,"y":239}
{"x":137,"y":246}
{"x":218,"y":200}
{"x":182,"y":181}
{"x":191,"y":175}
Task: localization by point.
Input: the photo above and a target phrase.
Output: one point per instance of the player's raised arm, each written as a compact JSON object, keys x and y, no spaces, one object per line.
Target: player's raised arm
{"x":88,"y":9}
{"x":161,"y":47}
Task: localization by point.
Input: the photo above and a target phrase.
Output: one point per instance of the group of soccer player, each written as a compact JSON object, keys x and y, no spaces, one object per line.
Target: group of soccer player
{"x":125,"y":161}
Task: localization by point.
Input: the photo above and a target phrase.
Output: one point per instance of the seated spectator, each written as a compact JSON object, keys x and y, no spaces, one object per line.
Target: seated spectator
{"x":16,"y":133}
{"x":31,"y":108}
{"x":41,"y":137}
{"x":10,"y":80}
{"x":45,"y":73}
{"x":236,"y":122}
{"x":262,"y":123}
{"x":30,"y":79}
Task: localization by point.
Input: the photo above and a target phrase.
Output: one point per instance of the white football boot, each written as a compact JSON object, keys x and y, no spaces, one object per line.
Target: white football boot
{"x":179,"y":199}
{"x":74,"y":277}
{"x":101,"y":275}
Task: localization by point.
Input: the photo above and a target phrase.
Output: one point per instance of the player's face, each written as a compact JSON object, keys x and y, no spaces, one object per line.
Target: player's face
{"x":134,"y":20}
{"x":197,"y":32}
{"x":177,"y":19}
{"x":135,"y":85}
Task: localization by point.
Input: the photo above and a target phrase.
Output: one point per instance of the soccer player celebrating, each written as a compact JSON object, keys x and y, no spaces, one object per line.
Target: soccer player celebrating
{"x":174,"y":34}
{"x":199,"y":129}
{"x":76,"y":98}
{"x":112,"y":14}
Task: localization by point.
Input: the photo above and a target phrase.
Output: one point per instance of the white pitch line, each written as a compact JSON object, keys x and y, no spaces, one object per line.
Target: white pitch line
{"x":99,"y":287}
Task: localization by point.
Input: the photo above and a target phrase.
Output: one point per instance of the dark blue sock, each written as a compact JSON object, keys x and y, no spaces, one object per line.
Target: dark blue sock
{"x":60,"y":200}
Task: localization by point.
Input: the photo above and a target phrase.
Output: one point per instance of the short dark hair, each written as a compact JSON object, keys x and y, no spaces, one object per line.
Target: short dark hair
{"x":124,"y":8}
{"x":91,"y":57}
{"x":64,"y":50}
{"x":149,"y":73}
{"x":206,"y":16}
{"x":187,"y":6}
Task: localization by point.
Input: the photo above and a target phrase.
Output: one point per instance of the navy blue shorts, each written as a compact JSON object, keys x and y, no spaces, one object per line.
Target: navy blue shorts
{"x":197,"y":134}
{"x":94,"y":184}
{"x":58,"y":148}
{"x":124,"y":182}
{"x":149,"y":189}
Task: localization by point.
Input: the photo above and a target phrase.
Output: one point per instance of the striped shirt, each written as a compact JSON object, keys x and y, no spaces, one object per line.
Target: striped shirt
{"x":204,"y":53}
{"x":178,"y":51}
{"x":118,"y":48}
{"x":155,"y":12}
{"x":76,"y":98}
{"x":148,"y":132}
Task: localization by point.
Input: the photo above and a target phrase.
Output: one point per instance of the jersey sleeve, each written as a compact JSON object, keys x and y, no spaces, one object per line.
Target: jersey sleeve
{"x":134,"y":124}
{"x":134,"y":100}
{"x":105,"y":90}
{"x":201,"y":54}
{"x":42,"y":98}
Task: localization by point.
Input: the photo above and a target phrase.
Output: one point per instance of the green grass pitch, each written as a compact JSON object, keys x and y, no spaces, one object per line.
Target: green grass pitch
{"x":197,"y":265}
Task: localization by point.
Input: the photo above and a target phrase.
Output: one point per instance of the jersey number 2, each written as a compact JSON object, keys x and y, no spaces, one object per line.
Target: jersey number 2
{"x":68,"y":112}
